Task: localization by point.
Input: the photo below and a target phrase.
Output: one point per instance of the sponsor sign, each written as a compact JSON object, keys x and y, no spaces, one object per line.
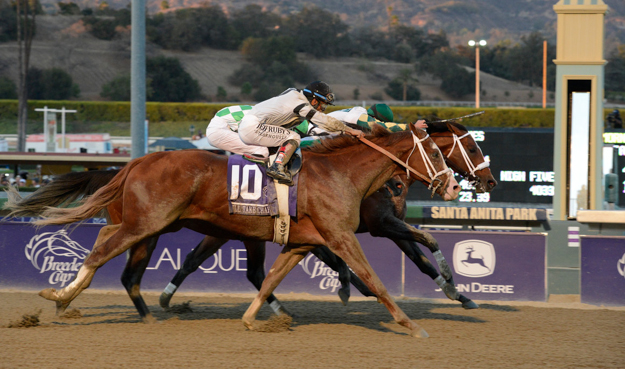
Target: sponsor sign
{"x":314,"y":277}
{"x":603,"y":270}
{"x":485,"y":213}
{"x":507,"y":266}
{"x":501,"y":266}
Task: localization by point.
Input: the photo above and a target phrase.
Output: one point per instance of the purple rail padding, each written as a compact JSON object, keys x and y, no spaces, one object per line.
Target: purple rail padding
{"x":32,"y":258}
{"x":603,"y":270}
{"x":506,"y":266}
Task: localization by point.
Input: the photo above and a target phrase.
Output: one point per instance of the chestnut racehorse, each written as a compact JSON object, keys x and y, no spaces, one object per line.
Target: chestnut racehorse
{"x":163,"y":192}
{"x":381,"y":214}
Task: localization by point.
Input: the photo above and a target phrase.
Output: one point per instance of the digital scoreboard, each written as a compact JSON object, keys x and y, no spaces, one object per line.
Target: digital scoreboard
{"x":521,"y":160}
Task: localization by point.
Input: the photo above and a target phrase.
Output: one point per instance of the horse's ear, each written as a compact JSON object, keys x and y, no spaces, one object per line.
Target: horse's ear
{"x":417,"y":131}
{"x":451,"y":128}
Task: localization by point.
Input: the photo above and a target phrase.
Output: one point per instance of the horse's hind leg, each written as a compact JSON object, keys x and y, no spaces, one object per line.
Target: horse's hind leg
{"x":204,"y":250}
{"x":112,"y":241}
{"x":83,"y":278}
{"x":256,"y":273}
{"x":138,"y":259}
{"x":348,"y":248}
{"x":286,"y":261}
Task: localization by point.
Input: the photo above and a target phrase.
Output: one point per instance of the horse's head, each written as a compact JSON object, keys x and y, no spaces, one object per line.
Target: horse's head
{"x":426,"y":158}
{"x":463,"y":154}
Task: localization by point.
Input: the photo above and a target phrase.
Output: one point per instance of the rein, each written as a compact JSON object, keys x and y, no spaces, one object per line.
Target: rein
{"x":428,"y":163}
{"x":465,"y":156}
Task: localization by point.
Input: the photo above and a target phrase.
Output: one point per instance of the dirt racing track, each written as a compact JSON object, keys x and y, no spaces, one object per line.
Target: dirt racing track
{"x":104,"y":330}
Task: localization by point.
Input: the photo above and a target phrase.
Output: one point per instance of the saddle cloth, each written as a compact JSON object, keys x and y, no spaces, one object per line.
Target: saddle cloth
{"x":252,"y":192}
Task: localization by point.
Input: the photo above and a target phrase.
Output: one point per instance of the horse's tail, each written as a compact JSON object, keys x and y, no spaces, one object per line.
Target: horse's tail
{"x":61,"y":192}
{"x":92,"y":205}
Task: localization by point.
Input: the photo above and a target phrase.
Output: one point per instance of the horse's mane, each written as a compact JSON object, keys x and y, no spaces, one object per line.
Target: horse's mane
{"x":331,"y":143}
{"x":441,"y":127}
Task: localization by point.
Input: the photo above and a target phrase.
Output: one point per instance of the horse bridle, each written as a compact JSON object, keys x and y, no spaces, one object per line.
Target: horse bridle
{"x":475,"y":181}
{"x":434,"y":182}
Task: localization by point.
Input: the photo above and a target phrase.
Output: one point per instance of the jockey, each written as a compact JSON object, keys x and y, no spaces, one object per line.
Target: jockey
{"x":365,"y":118}
{"x":268,"y":122}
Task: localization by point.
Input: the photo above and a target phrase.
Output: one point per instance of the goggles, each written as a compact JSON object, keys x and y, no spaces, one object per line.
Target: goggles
{"x":329,"y":99}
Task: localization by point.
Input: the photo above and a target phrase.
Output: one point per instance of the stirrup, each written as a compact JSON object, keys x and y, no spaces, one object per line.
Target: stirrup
{"x":256,"y":159}
{"x":279,"y":173}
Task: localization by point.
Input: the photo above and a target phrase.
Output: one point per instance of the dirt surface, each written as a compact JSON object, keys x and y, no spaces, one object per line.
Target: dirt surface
{"x":324,"y":334}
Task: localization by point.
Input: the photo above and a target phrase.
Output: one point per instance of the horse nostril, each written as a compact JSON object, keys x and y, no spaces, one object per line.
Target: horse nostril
{"x":492,"y":183}
{"x":457,"y":188}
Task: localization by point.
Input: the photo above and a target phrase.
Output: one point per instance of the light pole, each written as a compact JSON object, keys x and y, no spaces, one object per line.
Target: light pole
{"x":477,"y":45}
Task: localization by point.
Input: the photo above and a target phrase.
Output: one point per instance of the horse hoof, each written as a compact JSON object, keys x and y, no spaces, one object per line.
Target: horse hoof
{"x":470,"y":305}
{"x":344,"y":297}
{"x":49,"y":294}
{"x":248,"y":325}
{"x":60,"y":308}
{"x":164,"y":300}
{"x":419,"y":333}
{"x":149,"y":319}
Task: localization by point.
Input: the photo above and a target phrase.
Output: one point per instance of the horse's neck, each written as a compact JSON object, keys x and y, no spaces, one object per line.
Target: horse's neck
{"x":366,"y":169}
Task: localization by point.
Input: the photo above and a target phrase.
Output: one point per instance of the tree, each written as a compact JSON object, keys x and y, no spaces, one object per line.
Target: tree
{"x":8,"y":90}
{"x":8,"y":22}
{"x":246,"y":89}
{"x":222,"y":94}
{"x":26,"y":11}
{"x":51,"y":84}
{"x":169,"y":81}
{"x":68,"y":8}
{"x":398,"y":90}
{"x":253,"y":21}
{"x":318,"y":32}
{"x":615,"y":71}
{"x":117,"y":89}
{"x":407,"y":79}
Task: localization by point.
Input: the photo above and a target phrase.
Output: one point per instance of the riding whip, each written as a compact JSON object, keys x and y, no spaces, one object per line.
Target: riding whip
{"x":462,"y":117}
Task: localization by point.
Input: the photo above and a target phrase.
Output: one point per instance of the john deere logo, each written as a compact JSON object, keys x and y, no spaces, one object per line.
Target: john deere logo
{"x":620,"y":266}
{"x":474,"y":258}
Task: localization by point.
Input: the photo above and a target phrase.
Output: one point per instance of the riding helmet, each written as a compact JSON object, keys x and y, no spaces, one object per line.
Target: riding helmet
{"x":321,"y":91}
{"x":381,"y":112}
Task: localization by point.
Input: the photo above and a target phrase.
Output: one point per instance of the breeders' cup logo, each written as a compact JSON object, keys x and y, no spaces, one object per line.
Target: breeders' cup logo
{"x":620,"y":266}
{"x":474,"y":258}
{"x":56,"y":253}
{"x":329,"y":278}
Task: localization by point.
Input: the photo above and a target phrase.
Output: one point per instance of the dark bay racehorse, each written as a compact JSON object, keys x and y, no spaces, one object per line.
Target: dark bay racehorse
{"x":164,"y":192}
{"x":381,"y":214}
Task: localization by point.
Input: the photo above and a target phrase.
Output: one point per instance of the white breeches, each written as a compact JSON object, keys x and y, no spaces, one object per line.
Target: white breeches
{"x":252,"y":132}
{"x":221,"y":136}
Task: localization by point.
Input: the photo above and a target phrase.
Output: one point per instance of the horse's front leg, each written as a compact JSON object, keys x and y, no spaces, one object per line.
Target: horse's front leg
{"x":256,"y":273}
{"x":286,"y":261}
{"x":347,"y":247}
{"x":406,"y":237}
{"x":64,"y":296}
{"x":138,"y":258}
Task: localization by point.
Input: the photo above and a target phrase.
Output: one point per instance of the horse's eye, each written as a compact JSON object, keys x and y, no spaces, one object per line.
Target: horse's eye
{"x":435,"y":154}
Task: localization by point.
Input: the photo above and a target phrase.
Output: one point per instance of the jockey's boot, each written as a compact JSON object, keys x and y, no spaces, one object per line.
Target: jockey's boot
{"x":277,"y":170}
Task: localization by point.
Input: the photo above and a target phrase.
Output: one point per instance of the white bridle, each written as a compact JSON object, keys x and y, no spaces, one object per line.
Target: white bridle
{"x":426,"y":160}
{"x":465,"y":156}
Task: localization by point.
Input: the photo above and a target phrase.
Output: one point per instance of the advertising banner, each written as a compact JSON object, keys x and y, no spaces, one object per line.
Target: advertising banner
{"x":489,"y":266}
{"x":603,"y":270}
{"x":506,"y":266}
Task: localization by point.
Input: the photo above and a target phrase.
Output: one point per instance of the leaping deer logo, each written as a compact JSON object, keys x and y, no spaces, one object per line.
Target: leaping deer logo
{"x":471,"y":260}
